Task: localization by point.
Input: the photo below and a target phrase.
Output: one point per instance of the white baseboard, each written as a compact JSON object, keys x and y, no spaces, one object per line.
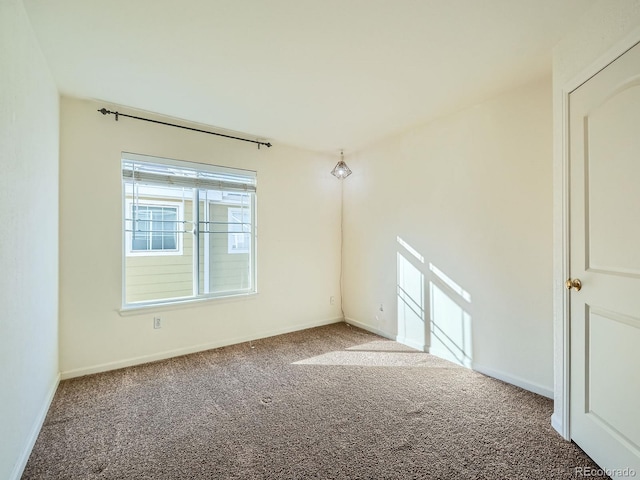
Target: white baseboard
{"x":35,"y":431}
{"x":405,"y":341}
{"x":514,"y":380}
{"x":556,"y":423}
{"x":129,"y":362}
{"x":369,"y":328}
{"x":505,"y":377}
{"x":412,"y":343}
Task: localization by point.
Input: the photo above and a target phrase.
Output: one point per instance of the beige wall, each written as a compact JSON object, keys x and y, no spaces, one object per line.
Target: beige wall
{"x":472,"y":195}
{"x":28,"y":239}
{"x":298,"y":261}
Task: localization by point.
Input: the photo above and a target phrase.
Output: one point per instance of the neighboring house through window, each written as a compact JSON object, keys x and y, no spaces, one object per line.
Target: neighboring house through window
{"x":154,"y":228}
{"x":240,"y":222}
{"x":188,"y":231}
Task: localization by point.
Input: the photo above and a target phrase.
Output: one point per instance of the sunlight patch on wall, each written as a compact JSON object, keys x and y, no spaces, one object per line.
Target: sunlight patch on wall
{"x":447,"y":332}
{"x":450,"y":283}
{"x":411,"y":311}
{"x":450,"y":319}
{"x":410,"y":249}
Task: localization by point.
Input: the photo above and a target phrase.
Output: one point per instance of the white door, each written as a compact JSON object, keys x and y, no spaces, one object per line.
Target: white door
{"x":604,"y":123}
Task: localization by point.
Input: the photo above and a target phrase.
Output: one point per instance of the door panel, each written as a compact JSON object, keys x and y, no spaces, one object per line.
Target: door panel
{"x":613,"y":170}
{"x":604,"y":141}
{"x":611,"y":341}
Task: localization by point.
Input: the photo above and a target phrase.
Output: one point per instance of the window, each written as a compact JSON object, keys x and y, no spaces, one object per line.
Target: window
{"x":188,"y":231}
{"x":154,"y":228}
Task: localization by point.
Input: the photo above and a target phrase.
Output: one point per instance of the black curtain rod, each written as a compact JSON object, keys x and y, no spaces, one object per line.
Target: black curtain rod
{"x":104,"y":111}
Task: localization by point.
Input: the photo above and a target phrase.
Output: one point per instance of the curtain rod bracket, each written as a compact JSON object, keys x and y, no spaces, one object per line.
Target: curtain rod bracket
{"x":104,"y":111}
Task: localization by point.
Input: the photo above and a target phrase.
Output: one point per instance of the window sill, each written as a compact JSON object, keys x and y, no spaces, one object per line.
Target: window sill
{"x":130,"y":310}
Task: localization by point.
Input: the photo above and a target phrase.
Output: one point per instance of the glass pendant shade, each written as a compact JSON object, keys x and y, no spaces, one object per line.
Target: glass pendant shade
{"x":341,"y":170}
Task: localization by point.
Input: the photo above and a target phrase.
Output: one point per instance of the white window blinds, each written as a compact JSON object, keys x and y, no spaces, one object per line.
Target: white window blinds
{"x":178,"y":174}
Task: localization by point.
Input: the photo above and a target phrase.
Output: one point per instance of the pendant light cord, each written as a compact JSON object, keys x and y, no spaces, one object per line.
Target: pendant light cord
{"x":342,"y":247}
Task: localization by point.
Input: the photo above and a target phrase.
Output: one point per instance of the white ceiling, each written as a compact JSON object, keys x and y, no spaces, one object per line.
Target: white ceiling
{"x":320,"y":74}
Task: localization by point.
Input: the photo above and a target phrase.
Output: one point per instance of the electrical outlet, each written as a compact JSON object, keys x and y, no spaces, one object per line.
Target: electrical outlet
{"x":332,"y":300}
{"x":157,"y":322}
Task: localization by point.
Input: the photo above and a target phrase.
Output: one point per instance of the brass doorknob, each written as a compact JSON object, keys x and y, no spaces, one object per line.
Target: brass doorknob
{"x":574,"y":283}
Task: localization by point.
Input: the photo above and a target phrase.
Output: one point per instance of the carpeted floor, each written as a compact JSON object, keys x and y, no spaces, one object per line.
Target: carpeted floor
{"x":333,"y":402}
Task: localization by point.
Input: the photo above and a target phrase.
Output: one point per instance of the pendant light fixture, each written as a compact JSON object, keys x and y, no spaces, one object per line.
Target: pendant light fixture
{"x":341,"y":170}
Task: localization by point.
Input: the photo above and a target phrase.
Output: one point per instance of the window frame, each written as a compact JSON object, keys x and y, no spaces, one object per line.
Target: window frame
{"x":233,"y":174}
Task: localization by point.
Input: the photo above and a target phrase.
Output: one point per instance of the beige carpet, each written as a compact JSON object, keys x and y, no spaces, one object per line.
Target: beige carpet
{"x":333,"y":402}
